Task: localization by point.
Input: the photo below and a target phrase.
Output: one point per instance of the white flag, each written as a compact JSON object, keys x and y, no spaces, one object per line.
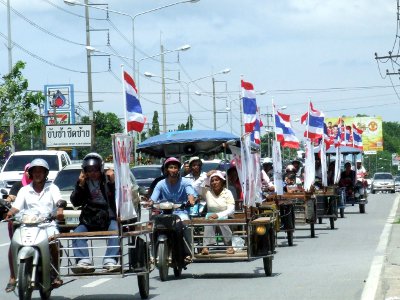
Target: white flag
{"x":309,"y":166}
{"x":337,"y":165}
{"x":122,"y":149}
{"x":323,"y":164}
{"x":277,"y":161}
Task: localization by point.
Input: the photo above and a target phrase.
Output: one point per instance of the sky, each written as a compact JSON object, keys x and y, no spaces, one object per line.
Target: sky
{"x":295,"y":50}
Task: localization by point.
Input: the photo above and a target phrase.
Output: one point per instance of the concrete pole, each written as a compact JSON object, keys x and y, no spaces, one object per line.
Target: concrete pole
{"x":164,"y":106}
{"x":89,"y":71}
{"x":9,"y":47}
{"x":214,"y":104}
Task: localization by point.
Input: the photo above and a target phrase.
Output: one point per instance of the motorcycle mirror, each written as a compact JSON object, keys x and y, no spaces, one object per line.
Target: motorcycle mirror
{"x":4,"y":191}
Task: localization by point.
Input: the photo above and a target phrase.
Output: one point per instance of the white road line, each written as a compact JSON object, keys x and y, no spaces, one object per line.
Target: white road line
{"x":5,"y":244}
{"x":375,"y":270}
{"x":96,"y":282}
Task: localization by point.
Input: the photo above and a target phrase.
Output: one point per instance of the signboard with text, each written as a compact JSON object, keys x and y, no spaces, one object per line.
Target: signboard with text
{"x":372,"y":136}
{"x":69,"y":135}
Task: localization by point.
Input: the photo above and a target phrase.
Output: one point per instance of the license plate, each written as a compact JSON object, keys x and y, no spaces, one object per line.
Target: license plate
{"x":71,"y":220}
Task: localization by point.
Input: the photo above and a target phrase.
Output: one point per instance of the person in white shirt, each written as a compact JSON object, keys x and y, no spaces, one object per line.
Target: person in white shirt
{"x":220,"y":205}
{"x":46,"y":198}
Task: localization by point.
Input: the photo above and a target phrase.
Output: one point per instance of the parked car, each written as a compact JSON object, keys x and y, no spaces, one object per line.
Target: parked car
{"x":144,"y":175}
{"x":13,"y":169}
{"x":66,"y":180}
{"x":382,"y":181}
{"x":397,"y":183}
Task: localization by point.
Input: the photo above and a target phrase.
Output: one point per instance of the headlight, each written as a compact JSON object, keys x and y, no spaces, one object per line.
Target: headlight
{"x":30,"y":218}
{"x":261,"y":229}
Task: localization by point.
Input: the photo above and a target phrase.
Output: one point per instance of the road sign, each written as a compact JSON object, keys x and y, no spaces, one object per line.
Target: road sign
{"x":69,"y":135}
{"x":370,"y":152}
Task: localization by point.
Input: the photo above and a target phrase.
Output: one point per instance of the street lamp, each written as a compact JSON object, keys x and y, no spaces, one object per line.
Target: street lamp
{"x":187,"y":83}
{"x":132,"y":17}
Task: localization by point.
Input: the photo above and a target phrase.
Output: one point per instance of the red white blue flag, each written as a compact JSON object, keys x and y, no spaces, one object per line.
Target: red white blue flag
{"x":249,"y":106}
{"x":255,"y":135}
{"x":357,"y":138}
{"x":314,"y":120}
{"x":135,"y":119}
{"x":284,"y":132}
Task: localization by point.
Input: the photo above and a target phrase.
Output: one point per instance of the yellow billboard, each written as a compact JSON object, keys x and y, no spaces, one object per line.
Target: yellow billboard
{"x":372,"y":137}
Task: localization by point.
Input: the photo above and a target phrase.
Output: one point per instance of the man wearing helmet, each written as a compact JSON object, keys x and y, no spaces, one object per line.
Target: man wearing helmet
{"x":173,"y":187}
{"x":179,"y":190}
{"x":95,"y":193}
{"x":195,"y":165}
{"x":44,"y":197}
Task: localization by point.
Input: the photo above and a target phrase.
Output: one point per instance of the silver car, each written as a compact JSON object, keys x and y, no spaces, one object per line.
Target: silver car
{"x":382,"y":182}
{"x":397,"y":183}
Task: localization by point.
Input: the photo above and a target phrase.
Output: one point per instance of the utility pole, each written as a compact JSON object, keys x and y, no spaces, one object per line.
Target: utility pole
{"x":89,"y":71}
{"x":164,"y":105}
{"x":214,"y":104}
{"x":9,"y":46}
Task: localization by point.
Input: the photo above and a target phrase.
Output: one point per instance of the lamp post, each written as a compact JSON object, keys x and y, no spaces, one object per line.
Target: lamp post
{"x":132,"y":17}
{"x":187,"y":83}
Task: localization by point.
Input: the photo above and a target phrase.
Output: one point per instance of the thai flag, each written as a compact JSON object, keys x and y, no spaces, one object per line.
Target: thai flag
{"x":341,"y":136}
{"x":255,"y":135}
{"x":357,"y":138}
{"x":135,"y":119}
{"x":284,"y":132}
{"x":249,"y":106}
{"x":314,"y":120}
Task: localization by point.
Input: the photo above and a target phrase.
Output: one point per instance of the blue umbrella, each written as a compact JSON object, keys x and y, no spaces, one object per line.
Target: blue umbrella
{"x":186,"y":142}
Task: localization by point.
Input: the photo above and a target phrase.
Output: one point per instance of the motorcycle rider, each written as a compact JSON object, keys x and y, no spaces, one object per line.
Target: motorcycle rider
{"x":46,"y":198}
{"x":177,"y":189}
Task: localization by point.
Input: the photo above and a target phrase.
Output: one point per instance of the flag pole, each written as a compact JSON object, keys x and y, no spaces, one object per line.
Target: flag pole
{"x":124,"y":100}
{"x":308,"y":118}
{"x":273,"y":118}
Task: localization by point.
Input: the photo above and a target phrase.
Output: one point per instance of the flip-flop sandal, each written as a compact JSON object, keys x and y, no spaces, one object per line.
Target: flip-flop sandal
{"x":11,"y":287}
{"x":57,"y":283}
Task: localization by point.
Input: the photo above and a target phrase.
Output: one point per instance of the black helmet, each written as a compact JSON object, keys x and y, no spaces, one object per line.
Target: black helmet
{"x":93,"y":159}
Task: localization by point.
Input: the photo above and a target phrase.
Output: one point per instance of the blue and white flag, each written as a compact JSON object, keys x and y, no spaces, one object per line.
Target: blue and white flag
{"x":135,"y":119}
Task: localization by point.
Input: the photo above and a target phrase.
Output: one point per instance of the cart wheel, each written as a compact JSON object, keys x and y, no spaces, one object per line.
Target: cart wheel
{"x":162,"y":264}
{"x":341,"y":212}
{"x":319,"y":220}
{"x":290,"y":238}
{"x":332,"y":222}
{"x":312,"y":230}
{"x":143,"y":283}
{"x":362,"y":208}
{"x":267,"y":261}
{"x":177,"y":271}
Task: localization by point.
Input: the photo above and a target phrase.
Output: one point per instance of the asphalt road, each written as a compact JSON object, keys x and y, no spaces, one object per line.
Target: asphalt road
{"x":333,"y":265}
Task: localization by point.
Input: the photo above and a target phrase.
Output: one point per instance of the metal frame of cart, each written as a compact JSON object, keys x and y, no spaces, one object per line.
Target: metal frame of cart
{"x":134,"y":258}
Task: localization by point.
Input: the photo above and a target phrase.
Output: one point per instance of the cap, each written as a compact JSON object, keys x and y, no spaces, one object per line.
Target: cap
{"x":220,"y":174}
{"x":267,"y":160}
{"x":194,"y":158}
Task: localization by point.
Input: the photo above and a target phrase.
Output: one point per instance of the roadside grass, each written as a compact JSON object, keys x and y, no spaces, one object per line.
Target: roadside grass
{"x":397,"y":221}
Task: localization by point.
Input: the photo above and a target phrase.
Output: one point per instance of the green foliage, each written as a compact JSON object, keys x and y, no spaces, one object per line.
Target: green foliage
{"x":155,"y":127}
{"x":19,"y":104}
{"x":187,"y":126}
{"x":391,"y":138}
{"x":106,"y":124}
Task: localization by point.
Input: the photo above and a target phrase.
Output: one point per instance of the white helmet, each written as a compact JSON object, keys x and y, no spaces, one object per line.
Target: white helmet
{"x":267,"y":160}
{"x":290,"y":168}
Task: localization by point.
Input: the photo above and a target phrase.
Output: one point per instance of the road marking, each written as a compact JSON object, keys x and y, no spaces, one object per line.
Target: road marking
{"x":375,"y":270}
{"x":96,"y":282}
{"x":5,"y":244}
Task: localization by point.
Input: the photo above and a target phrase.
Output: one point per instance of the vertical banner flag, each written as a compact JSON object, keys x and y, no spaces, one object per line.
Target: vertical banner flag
{"x":134,"y":117}
{"x":249,"y":191}
{"x":309,"y":166}
{"x":249,"y":106}
{"x":277,"y":161}
{"x":255,"y":135}
{"x":357,"y":138}
{"x":284,"y":132}
{"x":338,"y":163}
{"x":122,"y":146}
{"x":314,"y":120}
{"x":324,"y":170}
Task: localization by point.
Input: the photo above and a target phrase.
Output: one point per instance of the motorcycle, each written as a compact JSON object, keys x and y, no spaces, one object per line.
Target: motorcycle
{"x":31,"y":254}
{"x":168,"y":239}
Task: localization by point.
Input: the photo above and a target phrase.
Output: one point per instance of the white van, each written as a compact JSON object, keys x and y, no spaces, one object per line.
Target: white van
{"x":13,"y":169}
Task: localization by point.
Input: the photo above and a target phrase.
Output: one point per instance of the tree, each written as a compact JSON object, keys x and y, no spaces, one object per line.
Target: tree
{"x":188,"y":125}
{"x":19,"y":104}
{"x":155,"y":126}
{"x":106,"y":124}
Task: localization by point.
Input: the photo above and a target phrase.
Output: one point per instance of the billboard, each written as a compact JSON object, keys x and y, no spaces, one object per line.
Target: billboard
{"x":372,"y":137}
{"x":60,"y":103}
